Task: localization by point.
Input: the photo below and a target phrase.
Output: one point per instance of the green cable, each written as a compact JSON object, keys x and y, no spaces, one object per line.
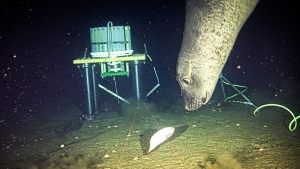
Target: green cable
{"x":256,"y":111}
{"x":294,"y":121}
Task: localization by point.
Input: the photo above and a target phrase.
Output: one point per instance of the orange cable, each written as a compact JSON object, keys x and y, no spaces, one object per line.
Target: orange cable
{"x":127,"y":138}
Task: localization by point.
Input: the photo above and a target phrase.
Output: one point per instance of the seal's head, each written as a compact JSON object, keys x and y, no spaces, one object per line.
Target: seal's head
{"x":211,"y":27}
{"x":191,"y":97}
{"x":195,"y":88}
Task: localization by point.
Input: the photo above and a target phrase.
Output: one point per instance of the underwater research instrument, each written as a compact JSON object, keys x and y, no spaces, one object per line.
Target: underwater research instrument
{"x":112,"y":57}
{"x":160,"y":136}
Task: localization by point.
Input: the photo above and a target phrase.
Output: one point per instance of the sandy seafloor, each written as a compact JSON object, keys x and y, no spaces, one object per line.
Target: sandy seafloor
{"x":215,"y":136}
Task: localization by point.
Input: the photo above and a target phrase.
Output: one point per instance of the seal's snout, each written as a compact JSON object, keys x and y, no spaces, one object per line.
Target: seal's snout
{"x":194,"y":103}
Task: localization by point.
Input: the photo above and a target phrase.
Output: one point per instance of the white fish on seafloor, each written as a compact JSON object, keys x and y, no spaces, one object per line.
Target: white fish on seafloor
{"x":160,"y":136}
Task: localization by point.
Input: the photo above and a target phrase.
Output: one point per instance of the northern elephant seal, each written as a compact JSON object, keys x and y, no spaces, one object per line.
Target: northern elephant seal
{"x":211,"y":27}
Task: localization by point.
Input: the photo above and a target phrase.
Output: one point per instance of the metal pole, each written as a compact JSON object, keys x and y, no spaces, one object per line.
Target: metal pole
{"x":94,"y":88}
{"x":87,"y":78}
{"x":114,"y":94}
{"x":137,"y":80}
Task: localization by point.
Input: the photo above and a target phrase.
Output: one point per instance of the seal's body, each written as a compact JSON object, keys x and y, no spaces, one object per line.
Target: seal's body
{"x":211,"y":27}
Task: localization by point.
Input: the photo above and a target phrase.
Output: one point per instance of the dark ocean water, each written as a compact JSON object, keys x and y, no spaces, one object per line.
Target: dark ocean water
{"x":39,"y":41}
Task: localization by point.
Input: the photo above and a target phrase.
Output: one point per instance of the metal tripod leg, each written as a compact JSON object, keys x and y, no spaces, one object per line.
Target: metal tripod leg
{"x":222,"y":78}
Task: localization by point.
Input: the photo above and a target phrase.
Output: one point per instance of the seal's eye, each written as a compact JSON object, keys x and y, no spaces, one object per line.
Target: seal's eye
{"x":186,"y":81}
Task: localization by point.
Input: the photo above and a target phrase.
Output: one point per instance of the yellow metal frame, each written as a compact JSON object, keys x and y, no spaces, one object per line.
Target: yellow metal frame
{"x":101,"y":60}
